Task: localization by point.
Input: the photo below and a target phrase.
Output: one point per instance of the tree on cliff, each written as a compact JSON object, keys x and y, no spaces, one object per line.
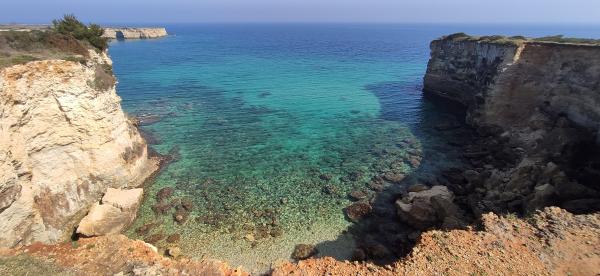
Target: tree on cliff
{"x":70,"y":25}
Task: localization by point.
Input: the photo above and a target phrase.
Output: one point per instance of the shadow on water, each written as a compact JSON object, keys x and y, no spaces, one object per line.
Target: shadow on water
{"x":216,"y":126}
{"x":381,"y":237}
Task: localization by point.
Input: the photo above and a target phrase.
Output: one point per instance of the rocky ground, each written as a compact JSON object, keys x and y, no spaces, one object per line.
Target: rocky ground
{"x":106,"y":255}
{"x":551,"y":242}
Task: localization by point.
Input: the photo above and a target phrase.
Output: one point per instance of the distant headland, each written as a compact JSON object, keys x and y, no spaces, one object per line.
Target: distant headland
{"x":118,"y":33}
{"x":134,"y":33}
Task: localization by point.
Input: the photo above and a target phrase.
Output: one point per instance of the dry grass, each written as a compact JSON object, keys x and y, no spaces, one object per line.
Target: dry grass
{"x":19,"y":47}
{"x":518,"y":40}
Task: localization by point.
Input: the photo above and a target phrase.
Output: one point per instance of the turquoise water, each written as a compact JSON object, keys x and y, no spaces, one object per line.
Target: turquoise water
{"x":273,"y":126}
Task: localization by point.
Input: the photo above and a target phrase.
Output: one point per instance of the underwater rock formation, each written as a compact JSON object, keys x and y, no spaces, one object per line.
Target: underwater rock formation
{"x":64,"y":140}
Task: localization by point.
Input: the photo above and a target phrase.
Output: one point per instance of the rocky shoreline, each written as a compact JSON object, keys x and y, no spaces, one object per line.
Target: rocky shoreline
{"x":522,"y":149}
{"x":499,"y":170}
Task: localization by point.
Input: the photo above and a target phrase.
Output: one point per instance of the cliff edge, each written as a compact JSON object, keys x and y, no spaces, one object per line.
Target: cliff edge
{"x":536,"y":103}
{"x":64,"y":138}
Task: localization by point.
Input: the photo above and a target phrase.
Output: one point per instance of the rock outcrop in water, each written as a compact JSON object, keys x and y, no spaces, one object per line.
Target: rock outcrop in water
{"x":110,"y":216}
{"x":536,"y":103}
{"x":64,"y":140}
{"x":134,"y":33}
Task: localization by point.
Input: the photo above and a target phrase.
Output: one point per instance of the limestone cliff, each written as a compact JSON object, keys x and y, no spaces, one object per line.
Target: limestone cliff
{"x":539,"y":98}
{"x":64,"y":140}
{"x":506,"y":84}
{"x":134,"y":33}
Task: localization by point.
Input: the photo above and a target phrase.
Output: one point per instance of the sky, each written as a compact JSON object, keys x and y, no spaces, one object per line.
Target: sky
{"x":376,"y":11}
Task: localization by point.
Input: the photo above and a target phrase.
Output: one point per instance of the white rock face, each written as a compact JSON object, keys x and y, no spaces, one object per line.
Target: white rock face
{"x":63,"y":141}
{"x":117,"y":210}
{"x":134,"y":33}
{"x":125,"y":200}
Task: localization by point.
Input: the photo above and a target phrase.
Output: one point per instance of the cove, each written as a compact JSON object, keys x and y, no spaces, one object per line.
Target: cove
{"x":273,"y":127}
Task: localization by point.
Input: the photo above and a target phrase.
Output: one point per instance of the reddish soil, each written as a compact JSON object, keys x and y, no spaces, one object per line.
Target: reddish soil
{"x":552,"y":242}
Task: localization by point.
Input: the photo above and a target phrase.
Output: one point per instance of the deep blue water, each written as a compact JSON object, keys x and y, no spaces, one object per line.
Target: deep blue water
{"x":275,"y":123}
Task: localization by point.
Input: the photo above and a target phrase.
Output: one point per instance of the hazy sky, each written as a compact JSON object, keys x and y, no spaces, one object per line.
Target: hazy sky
{"x":147,"y":11}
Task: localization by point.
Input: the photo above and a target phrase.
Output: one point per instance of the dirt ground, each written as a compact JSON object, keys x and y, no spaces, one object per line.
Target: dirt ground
{"x":552,"y":242}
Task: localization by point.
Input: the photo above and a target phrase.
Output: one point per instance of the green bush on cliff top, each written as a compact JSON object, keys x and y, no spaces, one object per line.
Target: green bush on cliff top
{"x":92,"y":33}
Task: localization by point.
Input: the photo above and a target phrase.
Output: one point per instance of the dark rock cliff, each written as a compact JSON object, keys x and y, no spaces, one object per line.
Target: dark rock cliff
{"x":539,"y":99}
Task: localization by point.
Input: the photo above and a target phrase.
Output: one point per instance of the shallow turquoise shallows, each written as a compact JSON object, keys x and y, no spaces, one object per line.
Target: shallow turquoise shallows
{"x":273,"y":125}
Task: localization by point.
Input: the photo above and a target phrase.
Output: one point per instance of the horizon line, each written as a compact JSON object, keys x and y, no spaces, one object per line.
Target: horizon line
{"x":325,"y":22}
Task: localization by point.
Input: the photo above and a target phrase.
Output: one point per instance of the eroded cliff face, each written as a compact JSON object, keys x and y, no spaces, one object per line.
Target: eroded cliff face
{"x":460,"y":71}
{"x":539,"y":102}
{"x":64,"y":140}
{"x":508,"y":85}
{"x":134,"y":33}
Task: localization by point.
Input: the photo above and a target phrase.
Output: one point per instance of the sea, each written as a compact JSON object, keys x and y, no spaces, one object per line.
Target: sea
{"x":272,"y":126}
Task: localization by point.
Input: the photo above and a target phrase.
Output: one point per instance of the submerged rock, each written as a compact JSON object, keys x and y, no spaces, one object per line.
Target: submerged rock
{"x":174,"y":251}
{"x":187,"y":204}
{"x":154,"y":238}
{"x":359,"y":255}
{"x":325,"y":177}
{"x":376,"y":186}
{"x":330,"y":190}
{"x":394,"y":177}
{"x":358,"y":210}
{"x":164,"y":193}
{"x":145,"y":229}
{"x":304,"y":251}
{"x":377,"y":251}
{"x":358,"y":195}
{"x":162,"y":208}
{"x":173,"y":238}
{"x":181,"y":216}
{"x":276,"y":232}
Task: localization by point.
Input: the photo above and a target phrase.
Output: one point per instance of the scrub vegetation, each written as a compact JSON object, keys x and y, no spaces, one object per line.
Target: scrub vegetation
{"x":67,"y":39}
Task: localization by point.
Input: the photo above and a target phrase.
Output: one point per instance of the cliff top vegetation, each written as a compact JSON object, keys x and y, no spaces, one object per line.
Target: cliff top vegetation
{"x":518,"y":40}
{"x":68,"y":39}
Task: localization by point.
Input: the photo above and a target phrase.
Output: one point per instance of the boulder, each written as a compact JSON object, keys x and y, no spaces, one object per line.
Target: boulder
{"x":358,"y":210}
{"x":427,"y":208}
{"x":116,"y":210}
{"x":542,"y":197}
{"x":304,"y":251}
{"x":415,"y":188}
{"x":394,"y":177}
{"x":123,"y":199}
{"x":357,"y":195}
{"x":164,"y":193}
{"x":174,"y":251}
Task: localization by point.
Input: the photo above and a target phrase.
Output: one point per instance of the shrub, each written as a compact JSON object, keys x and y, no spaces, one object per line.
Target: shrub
{"x":562,"y":39}
{"x":457,"y":36}
{"x":70,"y":25}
